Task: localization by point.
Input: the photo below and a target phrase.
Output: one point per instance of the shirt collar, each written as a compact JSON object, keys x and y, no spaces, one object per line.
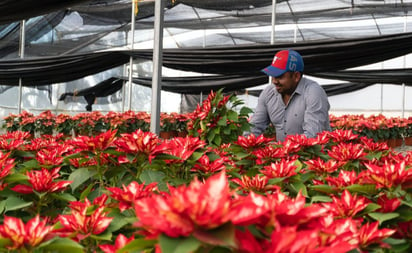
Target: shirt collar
{"x":301,"y":86}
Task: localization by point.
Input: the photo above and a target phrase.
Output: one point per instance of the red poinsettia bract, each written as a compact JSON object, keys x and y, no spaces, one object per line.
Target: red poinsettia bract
{"x":347,"y":205}
{"x":251,"y":141}
{"x":25,"y":236}
{"x":128,"y":194}
{"x":120,"y":242}
{"x":42,"y":181}
{"x":95,"y":143}
{"x":183,"y":147}
{"x":321,"y":167}
{"x":389,"y":175}
{"x":283,"y":168}
{"x":347,"y":151}
{"x":139,"y":142}
{"x":371,"y":234}
{"x":85,"y":219}
{"x":199,"y":205}
{"x":257,"y":183}
{"x":205,"y":165}
{"x":6,"y":165}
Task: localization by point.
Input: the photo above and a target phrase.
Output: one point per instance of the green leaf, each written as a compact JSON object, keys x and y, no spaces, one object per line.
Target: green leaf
{"x":30,"y":164}
{"x":222,"y":236}
{"x":381,"y":217}
{"x":210,"y":136}
{"x":106,"y":236}
{"x":63,"y":245}
{"x":299,"y":186}
{"x":398,"y":245}
{"x":5,"y":242}
{"x":404,"y":213}
{"x":151,"y":176}
{"x":14,"y":203}
{"x":137,"y":245}
{"x":220,"y":250}
{"x":196,"y":155}
{"x":113,"y":152}
{"x":217,"y":140}
{"x":322,"y":188}
{"x":320,"y":198}
{"x":222,"y":121}
{"x":119,"y":220}
{"x":16,"y":177}
{"x":64,"y":196}
{"x":79,"y":176}
{"x":371,"y":207}
{"x":232,"y":116}
{"x":86,"y":191}
{"x":178,"y":245}
{"x":166,"y":157}
{"x":276,"y":180}
{"x":364,"y":188}
{"x":407,"y":203}
{"x":245,"y":110}
{"x":2,"y":206}
{"x":21,"y":153}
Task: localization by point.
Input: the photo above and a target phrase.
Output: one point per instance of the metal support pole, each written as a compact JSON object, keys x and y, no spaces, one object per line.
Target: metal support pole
{"x":272,"y":35}
{"x":404,"y":66}
{"x":157,"y":67}
{"x":133,"y":21}
{"x":21,"y":52}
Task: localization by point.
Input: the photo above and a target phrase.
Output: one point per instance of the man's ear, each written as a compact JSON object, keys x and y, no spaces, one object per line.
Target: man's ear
{"x":298,"y":76}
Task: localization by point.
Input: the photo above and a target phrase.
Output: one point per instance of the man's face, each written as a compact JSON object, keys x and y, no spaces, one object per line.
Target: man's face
{"x":286,"y":83}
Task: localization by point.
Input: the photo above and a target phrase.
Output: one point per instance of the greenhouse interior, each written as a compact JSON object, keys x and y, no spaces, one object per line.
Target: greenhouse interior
{"x":87,"y":29}
{"x":149,"y":126}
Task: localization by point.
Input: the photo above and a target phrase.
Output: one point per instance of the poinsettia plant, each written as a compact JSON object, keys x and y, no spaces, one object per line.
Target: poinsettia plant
{"x":114,"y":191}
{"x":219,"y":120}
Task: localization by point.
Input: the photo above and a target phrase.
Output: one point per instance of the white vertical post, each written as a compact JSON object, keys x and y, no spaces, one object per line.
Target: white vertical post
{"x":132,"y":27}
{"x":21,"y":52}
{"x":272,"y":35}
{"x":157,"y":67}
{"x":404,"y":66}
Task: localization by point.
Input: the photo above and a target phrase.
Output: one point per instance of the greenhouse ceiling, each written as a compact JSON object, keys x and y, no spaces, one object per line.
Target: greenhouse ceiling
{"x":67,"y":27}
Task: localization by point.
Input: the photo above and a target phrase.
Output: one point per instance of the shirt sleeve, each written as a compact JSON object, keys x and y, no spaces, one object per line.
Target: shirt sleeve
{"x":316,"y":118}
{"x":260,"y":119}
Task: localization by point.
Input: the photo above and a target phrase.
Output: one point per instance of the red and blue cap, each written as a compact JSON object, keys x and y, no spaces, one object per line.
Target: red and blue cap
{"x":284,"y":61}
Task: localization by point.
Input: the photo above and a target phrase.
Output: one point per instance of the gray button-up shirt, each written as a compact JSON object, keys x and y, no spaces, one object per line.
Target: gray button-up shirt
{"x":307,"y":111}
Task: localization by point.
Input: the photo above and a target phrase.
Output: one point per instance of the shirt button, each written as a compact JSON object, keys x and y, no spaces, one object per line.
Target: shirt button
{"x":284,"y":121}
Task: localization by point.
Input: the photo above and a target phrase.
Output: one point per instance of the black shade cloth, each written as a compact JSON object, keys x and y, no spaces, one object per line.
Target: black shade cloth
{"x":102,"y":89}
{"x":392,"y":76}
{"x":9,"y":41}
{"x":50,"y":70}
{"x":12,"y":10}
{"x":194,"y":86}
{"x":240,"y":64}
{"x":318,"y":56}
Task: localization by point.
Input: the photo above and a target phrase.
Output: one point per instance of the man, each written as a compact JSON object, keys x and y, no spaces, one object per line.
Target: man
{"x":293,"y":104}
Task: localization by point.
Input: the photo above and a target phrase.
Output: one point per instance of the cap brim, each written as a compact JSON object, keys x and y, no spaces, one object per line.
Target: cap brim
{"x":272,"y":71}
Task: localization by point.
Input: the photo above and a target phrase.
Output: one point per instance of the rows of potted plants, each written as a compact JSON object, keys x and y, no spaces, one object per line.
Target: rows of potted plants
{"x":137,"y":192}
{"x":91,"y":123}
{"x":215,"y":190}
{"x":393,"y":130}
{"x":215,"y":114}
